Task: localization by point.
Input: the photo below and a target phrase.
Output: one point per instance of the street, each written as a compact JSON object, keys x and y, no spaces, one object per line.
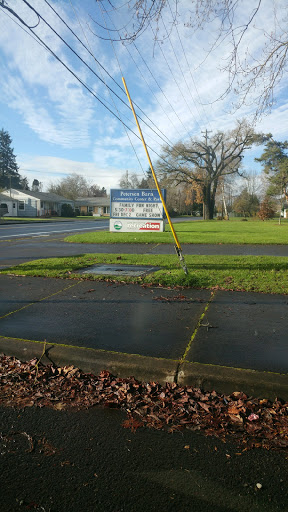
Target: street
{"x":26,"y":242}
{"x":66,"y":461}
{"x":69,"y":461}
{"x":35,"y":229}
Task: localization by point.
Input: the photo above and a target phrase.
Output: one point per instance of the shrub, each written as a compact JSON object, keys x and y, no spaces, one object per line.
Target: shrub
{"x":266,"y":210}
{"x":67,"y":210}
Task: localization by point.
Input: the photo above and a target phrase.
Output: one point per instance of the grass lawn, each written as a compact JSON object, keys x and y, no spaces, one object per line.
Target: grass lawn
{"x":246,"y":273}
{"x":199,"y":232}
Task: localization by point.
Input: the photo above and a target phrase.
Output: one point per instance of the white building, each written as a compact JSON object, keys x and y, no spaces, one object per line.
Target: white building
{"x":35,"y":204}
{"x":8,"y":205}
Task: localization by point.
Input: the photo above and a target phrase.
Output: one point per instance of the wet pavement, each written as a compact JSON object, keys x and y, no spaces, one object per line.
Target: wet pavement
{"x":244,"y":330}
{"x":20,"y":251}
{"x":86,"y":461}
{"x":122,"y":318}
{"x":234,"y":330}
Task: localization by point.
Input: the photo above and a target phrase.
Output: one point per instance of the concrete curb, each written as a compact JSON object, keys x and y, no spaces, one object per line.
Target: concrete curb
{"x":208,"y":377}
{"x":93,"y":361}
{"x":227,"y":380}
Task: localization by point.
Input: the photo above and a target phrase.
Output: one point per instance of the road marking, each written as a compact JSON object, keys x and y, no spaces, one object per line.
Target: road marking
{"x":54,"y":231}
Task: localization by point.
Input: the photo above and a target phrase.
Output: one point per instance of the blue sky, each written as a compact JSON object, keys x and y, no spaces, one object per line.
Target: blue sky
{"x":58,"y":127}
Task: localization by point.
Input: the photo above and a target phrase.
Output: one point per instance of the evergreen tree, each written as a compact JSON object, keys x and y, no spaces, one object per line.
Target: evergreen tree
{"x":9,"y":175}
{"x":274,"y":160}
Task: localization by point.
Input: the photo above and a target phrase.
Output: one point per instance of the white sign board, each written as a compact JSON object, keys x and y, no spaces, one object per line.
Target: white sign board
{"x":126,"y":210}
{"x":136,"y":204}
{"x":133,"y":226}
{"x":142,"y":207}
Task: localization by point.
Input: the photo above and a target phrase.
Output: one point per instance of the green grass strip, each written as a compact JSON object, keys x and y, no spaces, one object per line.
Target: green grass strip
{"x":264,"y":274}
{"x":198,"y":232}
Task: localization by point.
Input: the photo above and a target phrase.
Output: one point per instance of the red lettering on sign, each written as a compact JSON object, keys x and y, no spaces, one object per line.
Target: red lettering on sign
{"x":155,"y":226}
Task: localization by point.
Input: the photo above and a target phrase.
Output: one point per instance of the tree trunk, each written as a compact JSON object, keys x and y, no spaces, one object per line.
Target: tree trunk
{"x":208,"y":203}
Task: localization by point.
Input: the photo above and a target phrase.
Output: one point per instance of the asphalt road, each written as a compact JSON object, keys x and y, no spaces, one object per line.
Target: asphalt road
{"x":61,"y":461}
{"x":87,"y":461}
{"x":42,"y":229}
{"x":21,"y":243}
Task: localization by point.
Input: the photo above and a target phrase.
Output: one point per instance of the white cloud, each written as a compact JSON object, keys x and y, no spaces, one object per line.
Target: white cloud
{"x":51,"y":102}
{"x":47,"y":169}
{"x":59,"y":111}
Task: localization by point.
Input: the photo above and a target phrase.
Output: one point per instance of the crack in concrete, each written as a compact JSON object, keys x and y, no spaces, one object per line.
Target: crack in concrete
{"x":39,"y":300}
{"x":198,"y":325}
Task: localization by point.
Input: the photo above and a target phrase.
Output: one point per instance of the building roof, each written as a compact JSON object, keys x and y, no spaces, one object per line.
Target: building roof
{"x":92,"y":201}
{"x":43,"y":196}
{"x":4,"y":198}
{"x":48,"y":196}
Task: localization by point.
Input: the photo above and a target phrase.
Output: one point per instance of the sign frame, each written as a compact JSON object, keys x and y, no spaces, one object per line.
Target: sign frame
{"x":125,"y":202}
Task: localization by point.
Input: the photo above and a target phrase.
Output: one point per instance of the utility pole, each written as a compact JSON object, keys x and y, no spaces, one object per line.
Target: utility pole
{"x":206,"y":135}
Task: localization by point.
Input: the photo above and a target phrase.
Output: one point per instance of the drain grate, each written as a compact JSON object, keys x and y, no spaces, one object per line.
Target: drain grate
{"x":114,"y":270}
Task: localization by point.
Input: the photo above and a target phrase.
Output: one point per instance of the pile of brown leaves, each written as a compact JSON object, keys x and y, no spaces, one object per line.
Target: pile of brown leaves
{"x":254,"y":422}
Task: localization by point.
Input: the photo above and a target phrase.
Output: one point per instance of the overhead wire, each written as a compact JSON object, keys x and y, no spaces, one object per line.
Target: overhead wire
{"x":189,"y":70}
{"x":88,"y":88}
{"x":181,"y":70}
{"x":152,"y":92}
{"x":167,"y":37}
{"x":96,"y":60}
{"x":160,"y":88}
{"x":22,"y":28}
{"x":38,"y":38}
{"x":115,"y":106}
{"x":172,"y":74}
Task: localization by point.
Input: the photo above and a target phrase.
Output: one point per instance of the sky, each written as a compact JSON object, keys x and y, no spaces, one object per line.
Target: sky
{"x":64,"y":122}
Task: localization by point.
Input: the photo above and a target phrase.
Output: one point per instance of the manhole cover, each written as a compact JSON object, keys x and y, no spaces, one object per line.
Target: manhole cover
{"x":114,"y":270}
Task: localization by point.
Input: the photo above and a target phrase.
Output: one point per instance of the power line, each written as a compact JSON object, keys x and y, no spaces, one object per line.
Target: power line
{"x":40,"y":41}
{"x":74,"y":74}
{"x":168,"y":101}
{"x":181,"y":71}
{"x":99,"y":63}
{"x":171,"y":71}
{"x":127,"y":133}
{"x":189,"y":69}
{"x":143,"y":77}
{"x":44,"y":47}
{"x":103,"y":81}
{"x":156,"y":81}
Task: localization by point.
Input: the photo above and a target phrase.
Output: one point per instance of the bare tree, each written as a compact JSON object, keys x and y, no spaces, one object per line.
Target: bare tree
{"x":73,"y":186}
{"x":129,"y":180}
{"x":203,"y":163}
{"x":250,"y":74}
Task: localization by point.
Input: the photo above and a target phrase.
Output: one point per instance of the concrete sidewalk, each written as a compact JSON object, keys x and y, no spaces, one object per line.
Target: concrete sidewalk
{"x":216,"y":340}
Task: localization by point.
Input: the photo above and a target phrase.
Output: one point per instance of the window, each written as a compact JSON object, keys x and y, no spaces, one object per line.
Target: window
{"x":21,"y":205}
{"x":90,"y":209}
{"x":14,"y":205}
{"x":42,"y":204}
